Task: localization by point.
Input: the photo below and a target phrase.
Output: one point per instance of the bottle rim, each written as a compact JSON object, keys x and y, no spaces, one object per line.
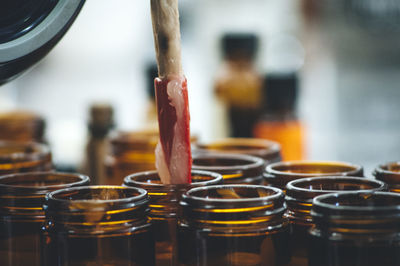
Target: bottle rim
{"x":276,"y":194}
{"x":300,"y":185}
{"x":55,"y":196}
{"x":301,"y":192}
{"x":29,"y":181}
{"x":153,"y":175}
{"x":219,"y":161}
{"x":384,"y":171}
{"x":322,"y":203}
{"x":263,"y":148}
{"x":21,"y":152}
{"x":92,"y":207}
{"x":279,"y":168}
{"x":241,"y":207}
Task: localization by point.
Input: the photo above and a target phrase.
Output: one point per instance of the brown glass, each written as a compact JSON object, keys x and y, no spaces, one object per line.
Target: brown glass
{"x":234,"y":168}
{"x":131,"y":152}
{"x":233,"y":225}
{"x":279,"y":174}
{"x":22,"y":157}
{"x":21,"y":126}
{"x":268,"y":150}
{"x":98,"y":225}
{"x":22,"y":216}
{"x":390,"y":174}
{"x":299,"y":197}
{"x":164,"y":201}
{"x":355,"y":229}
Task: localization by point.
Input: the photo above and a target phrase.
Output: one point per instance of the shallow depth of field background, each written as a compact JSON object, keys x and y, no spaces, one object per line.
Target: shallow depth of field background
{"x":346,"y":52}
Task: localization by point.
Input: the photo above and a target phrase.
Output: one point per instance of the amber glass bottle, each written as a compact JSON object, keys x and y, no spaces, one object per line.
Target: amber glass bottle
{"x":390,"y":174}
{"x":21,"y":126}
{"x":355,"y":229}
{"x":16,"y":157}
{"x":299,"y":197}
{"x":101,"y":122}
{"x":279,"y":174}
{"x":279,"y":121}
{"x":234,"y":168}
{"x":22,"y":216}
{"x":164,"y":200}
{"x":131,"y":152}
{"x":268,"y":150}
{"x":98,"y":225}
{"x":238,"y":83}
{"x":233,"y":225}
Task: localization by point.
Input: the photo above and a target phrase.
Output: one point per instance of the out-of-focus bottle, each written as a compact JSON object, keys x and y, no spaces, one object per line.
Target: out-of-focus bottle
{"x":22,"y":215}
{"x":21,"y":126}
{"x":390,"y":174}
{"x":268,"y":150}
{"x":17,"y":157}
{"x":131,"y":152}
{"x":279,"y":121}
{"x":281,"y":173}
{"x":355,"y":228}
{"x":98,"y":225}
{"x":101,"y":122}
{"x":299,"y":197}
{"x":238,"y":83}
{"x":164,"y":203}
{"x":233,"y":225}
{"x":234,"y":168}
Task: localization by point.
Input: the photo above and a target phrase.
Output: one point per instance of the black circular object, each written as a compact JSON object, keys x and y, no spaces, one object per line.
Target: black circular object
{"x":29,"y":29}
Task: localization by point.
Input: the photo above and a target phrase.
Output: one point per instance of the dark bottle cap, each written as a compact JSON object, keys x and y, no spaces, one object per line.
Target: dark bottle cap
{"x":280,"y":92}
{"x":101,"y":119}
{"x":151,"y":74}
{"x":239,"y":45}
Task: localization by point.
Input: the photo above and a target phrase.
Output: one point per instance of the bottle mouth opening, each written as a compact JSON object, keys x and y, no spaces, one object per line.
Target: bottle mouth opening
{"x":41,"y":181}
{"x":13,"y":151}
{"x":392,"y":168}
{"x":333,"y":184}
{"x":233,"y":193}
{"x":229,"y":163}
{"x":313,"y":168}
{"x":96,"y":196}
{"x":152,"y":179}
{"x":256,"y":147}
{"x":359,"y":202}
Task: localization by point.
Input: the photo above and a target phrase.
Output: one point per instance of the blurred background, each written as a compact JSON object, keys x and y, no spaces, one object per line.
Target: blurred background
{"x":320,"y":76}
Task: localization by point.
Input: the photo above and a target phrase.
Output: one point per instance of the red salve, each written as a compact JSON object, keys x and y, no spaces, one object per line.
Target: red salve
{"x":173,"y":155}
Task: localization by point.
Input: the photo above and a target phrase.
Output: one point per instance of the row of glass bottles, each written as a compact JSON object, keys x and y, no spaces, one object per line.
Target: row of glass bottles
{"x":166,"y":208}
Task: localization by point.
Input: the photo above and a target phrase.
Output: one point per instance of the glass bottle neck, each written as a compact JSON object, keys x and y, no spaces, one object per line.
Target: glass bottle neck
{"x":300,"y":193}
{"x":358,"y":213}
{"x":96,"y":209}
{"x":239,"y":207}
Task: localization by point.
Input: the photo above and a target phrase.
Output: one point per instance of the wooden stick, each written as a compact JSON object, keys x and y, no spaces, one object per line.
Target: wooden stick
{"x":167,"y":37}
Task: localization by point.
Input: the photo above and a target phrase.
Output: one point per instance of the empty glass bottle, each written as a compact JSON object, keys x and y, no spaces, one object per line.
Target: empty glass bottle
{"x":16,"y":157}
{"x":390,"y":174}
{"x":164,"y":202}
{"x":21,"y":126}
{"x":279,"y":174}
{"x":22,"y":216}
{"x":299,"y":197}
{"x":355,"y":228}
{"x":234,"y":168}
{"x":131,"y":152}
{"x":233,"y":225}
{"x":98,"y":225}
